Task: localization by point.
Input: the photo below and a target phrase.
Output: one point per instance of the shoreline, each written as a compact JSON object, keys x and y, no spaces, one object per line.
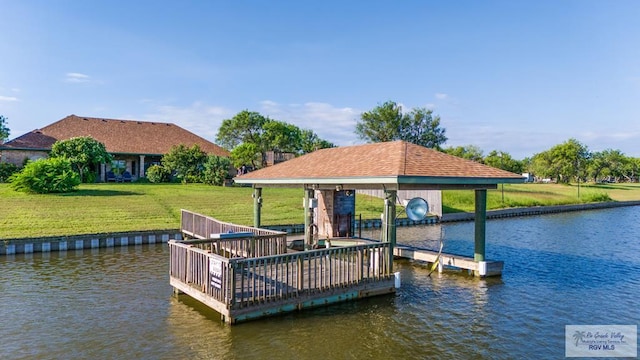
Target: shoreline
{"x":537,"y":210}
{"x":117,"y":239}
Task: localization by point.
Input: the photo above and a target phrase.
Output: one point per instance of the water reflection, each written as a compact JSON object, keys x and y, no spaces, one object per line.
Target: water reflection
{"x":578,"y":268}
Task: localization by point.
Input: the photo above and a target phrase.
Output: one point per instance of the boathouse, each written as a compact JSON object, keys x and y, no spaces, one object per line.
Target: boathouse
{"x":247,"y":272}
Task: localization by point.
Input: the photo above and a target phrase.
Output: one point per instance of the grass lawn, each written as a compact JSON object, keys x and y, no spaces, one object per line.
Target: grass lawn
{"x":525,"y":195}
{"x":103,"y":208}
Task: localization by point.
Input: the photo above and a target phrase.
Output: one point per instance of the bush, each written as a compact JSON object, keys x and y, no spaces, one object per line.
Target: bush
{"x":6,"y":170}
{"x":158,"y":174}
{"x":185,"y":163}
{"x":216,"y":170}
{"x":52,"y":175}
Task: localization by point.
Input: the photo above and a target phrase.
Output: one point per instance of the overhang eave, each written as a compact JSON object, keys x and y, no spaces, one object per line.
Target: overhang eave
{"x":386,"y":182}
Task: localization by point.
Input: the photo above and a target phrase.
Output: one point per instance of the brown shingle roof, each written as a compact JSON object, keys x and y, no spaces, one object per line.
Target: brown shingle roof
{"x":390,"y":162}
{"x":118,"y":136}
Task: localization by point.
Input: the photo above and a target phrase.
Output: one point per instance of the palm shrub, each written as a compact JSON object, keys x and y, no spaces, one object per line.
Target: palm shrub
{"x":52,"y":175}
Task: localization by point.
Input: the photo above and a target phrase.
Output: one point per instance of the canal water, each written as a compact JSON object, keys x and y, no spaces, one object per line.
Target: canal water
{"x":562,"y":269}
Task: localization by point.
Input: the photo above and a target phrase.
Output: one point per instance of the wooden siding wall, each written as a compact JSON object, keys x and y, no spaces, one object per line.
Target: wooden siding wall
{"x":433,"y":197}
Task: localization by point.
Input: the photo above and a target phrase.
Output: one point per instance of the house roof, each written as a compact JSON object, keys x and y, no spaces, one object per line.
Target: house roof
{"x":392,"y":165}
{"x":118,"y":136}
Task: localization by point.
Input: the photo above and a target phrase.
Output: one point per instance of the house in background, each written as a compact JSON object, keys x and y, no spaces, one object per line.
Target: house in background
{"x":135,"y":145}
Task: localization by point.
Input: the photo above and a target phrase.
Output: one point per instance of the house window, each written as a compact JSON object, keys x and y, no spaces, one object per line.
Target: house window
{"x":118,"y":166}
{"x":133,"y":168}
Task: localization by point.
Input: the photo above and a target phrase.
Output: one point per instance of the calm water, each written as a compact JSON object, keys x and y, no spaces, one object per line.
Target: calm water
{"x":574,"y":268}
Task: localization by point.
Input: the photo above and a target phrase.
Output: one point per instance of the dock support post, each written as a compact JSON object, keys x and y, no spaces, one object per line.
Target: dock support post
{"x":389,"y":223}
{"x":480,"y":224}
{"x":257,"y":205}
{"x":308,"y":217}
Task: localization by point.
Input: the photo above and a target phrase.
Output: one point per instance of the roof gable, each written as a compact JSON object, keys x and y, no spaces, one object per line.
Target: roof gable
{"x":118,"y":136}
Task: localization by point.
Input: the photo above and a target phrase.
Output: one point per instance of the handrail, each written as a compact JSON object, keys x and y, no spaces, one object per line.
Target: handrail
{"x":246,"y":282}
{"x":202,"y":226}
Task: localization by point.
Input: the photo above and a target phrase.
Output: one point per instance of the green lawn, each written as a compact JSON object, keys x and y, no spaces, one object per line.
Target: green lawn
{"x":524,"y":195}
{"x":103,"y":208}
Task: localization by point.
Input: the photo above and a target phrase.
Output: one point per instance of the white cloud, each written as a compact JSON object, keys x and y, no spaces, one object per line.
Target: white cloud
{"x":518,"y":142}
{"x":441,"y":96}
{"x":73,"y":77}
{"x":201,"y":119}
{"x":333,"y":124}
{"x":8,"y":98}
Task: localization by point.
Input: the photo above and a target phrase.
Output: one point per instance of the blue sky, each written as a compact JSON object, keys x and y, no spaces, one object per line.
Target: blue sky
{"x":515,"y":76}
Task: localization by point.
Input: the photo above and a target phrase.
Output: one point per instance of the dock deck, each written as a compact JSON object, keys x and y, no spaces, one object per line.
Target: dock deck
{"x":256,"y":275}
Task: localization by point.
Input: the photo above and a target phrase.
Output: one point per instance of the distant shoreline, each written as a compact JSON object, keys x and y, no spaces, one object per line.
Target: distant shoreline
{"x":537,"y":210}
{"x":87,"y":241}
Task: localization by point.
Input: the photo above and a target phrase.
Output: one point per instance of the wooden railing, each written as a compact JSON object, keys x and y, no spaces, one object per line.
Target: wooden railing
{"x":201,"y":226}
{"x":245,"y":282}
{"x":199,"y":269}
{"x":280,"y":277}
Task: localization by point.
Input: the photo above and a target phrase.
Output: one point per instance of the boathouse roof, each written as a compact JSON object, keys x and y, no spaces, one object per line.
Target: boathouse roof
{"x":392,"y":165}
{"x":118,"y":136}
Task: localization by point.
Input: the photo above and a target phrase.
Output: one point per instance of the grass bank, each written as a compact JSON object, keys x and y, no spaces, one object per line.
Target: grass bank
{"x":102,"y":208}
{"x":525,"y":195}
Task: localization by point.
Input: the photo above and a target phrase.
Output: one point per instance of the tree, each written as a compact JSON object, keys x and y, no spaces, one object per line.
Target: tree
{"x":245,"y":127}
{"x":631,"y":169}
{"x":312,"y":142}
{"x":82,"y":152}
{"x":249,"y":136}
{"x":216,"y":170}
{"x":542,"y":165}
{"x":246,"y":153}
{"x":386,"y":122}
{"x":4,"y":130}
{"x":469,"y":152}
{"x":422,"y":128}
{"x":52,"y":175}
{"x":281,"y":137}
{"x":186,"y":163}
{"x":381,"y":124}
{"x":503,"y":160}
{"x":563,"y":162}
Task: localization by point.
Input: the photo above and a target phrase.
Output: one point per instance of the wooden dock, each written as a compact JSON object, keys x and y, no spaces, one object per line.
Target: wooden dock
{"x":444,"y":260}
{"x":254,"y":274}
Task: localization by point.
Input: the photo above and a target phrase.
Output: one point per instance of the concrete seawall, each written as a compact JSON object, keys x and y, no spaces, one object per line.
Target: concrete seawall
{"x":90,"y":241}
{"x":537,"y":210}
